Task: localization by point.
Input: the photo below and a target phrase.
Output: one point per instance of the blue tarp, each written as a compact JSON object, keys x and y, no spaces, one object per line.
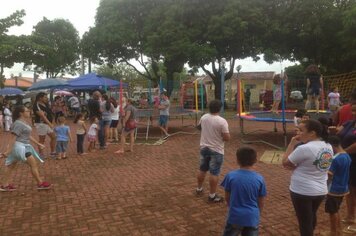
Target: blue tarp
{"x":93,"y":81}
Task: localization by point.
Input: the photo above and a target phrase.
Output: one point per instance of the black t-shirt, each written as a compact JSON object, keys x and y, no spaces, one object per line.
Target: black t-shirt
{"x":47,"y":111}
{"x":94,"y":108}
{"x":314,"y":80}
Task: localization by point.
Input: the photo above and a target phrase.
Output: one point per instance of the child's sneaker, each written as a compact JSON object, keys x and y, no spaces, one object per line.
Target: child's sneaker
{"x":215,"y":199}
{"x":8,"y":188}
{"x":43,"y":186}
{"x":199,"y":192}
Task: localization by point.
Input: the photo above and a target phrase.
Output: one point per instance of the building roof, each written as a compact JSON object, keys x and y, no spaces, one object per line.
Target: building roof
{"x":22,"y":82}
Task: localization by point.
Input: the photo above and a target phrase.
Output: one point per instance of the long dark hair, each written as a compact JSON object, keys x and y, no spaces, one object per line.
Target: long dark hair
{"x":320,"y":130}
{"x":16,"y":113}
{"x":107,"y":104}
{"x":113,"y":102}
{"x":78,"y":117}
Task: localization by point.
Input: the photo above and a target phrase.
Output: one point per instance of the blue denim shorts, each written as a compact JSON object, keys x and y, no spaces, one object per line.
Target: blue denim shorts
{"x":234,"y":230}
{"x":61,"y":146}
{"x":211,"y":161}
{"x":163,"y":120}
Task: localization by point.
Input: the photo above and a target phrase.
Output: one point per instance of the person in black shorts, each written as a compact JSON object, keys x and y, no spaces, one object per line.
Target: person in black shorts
{"x":314,"y":86}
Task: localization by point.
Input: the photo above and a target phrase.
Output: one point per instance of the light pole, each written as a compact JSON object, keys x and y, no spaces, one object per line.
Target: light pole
{"x":222,"y":73}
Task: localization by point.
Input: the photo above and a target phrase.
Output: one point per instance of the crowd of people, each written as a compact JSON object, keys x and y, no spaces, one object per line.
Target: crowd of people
{"x":321,"y":156}
{"x":106,"y":118}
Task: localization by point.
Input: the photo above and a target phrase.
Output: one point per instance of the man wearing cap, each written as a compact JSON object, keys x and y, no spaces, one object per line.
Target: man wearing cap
{"x":164,"y":114}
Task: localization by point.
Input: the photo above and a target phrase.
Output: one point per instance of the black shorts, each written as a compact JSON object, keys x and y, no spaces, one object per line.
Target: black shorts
{"x":333,"y":203}
{"x":114,"y":123}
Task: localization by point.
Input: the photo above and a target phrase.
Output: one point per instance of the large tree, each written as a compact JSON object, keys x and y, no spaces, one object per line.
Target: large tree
{"x":55,"y":46}
{"x":313,"y":31}
{"x":120,"y":35}
{"x":8,"y":43}
{"x":230,"y":29}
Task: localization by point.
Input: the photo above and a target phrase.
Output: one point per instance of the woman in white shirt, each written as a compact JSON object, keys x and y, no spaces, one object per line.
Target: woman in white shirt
{"x":113,"y":134}
{"x":310,"y":163}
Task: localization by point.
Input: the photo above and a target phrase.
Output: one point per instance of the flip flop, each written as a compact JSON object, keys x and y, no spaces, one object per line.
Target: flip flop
{"x":119,"y":152}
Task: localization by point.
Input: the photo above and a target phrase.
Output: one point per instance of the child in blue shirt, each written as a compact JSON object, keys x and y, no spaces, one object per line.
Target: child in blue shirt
{"x":339,"y":187}
{"x":245,"y":190}
{"x":63,"y":137}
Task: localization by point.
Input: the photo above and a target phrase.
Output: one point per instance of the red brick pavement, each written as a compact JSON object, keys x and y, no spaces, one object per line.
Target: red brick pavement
{"x":147,"y":192}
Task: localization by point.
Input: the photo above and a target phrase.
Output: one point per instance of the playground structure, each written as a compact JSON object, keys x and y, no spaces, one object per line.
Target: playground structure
{"x":262,"y":114}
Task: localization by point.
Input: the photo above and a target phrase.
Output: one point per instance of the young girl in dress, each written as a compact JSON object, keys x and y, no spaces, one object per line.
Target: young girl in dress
{"x":92,"y":133}
{"x":81,"y":131}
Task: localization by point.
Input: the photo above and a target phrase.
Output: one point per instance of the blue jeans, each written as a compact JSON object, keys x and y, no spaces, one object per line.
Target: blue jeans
{"x":210,"y":161}
{"x":234,"y":230}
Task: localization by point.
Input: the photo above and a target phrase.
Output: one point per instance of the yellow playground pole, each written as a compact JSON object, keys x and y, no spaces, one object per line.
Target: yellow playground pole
{"x":196,"y":95}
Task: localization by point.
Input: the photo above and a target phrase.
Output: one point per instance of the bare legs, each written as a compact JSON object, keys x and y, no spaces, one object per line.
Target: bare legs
{"x":33,"y":166}
{"x":310,"y":100}
{"x":42,"y":140}
{"x":34,"y":169}
{"x":351,"y":204}
{"x":8,"y":173}
{"x":213,"y":181}
{"x":123,"y":141}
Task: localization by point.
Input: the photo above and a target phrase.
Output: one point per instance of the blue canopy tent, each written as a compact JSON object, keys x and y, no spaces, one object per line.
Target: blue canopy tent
{"x":93,"y":81}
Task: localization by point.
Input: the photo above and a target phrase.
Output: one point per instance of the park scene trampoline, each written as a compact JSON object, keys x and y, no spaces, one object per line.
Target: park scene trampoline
{"x":87,"y":88}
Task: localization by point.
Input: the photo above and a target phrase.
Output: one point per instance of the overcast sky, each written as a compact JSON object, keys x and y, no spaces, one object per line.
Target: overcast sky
{"x":81,"y":13}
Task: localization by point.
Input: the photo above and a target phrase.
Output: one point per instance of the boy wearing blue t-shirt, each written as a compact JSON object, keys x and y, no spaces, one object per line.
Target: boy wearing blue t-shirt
{"x":339,"y":179}
{"x":245,"y":190}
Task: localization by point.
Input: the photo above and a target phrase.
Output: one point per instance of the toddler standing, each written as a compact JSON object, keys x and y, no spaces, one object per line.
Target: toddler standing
{"x":81,"y":131}
{"x":92,"y":133}
{"x":63,"y":137}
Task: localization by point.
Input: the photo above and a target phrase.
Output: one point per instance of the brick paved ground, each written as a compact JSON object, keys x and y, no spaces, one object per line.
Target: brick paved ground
{"x":148,"y":192}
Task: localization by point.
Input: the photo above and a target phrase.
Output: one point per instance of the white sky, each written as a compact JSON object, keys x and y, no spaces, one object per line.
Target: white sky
{"x":81,"y":13}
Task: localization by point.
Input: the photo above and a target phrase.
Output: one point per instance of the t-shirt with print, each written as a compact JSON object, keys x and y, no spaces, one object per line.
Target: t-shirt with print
{"x":92,"y":129}
{"x":340,"y":170}
{"x":22,"y":131}
{"x":212,"y":128}
{"x":47,"y":112}
{"x":334,"y":99}
{"x":166,"y":104}
{"x":74,"y":102}
{"x":62,"y":132}
{"x":312,"y":160}
{"x":245,"y":188}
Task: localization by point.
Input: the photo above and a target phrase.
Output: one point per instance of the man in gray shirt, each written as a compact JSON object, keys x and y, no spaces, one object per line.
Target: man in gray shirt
{"x":164,"y":114}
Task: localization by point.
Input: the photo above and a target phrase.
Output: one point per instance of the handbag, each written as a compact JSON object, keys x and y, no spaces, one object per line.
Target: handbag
{"x":130,"y":124}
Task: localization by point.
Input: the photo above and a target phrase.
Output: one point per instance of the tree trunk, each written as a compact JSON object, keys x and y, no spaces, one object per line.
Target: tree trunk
{"x":2,"y":77}
{"x":170,"y":82}
{"x":217,"y":90}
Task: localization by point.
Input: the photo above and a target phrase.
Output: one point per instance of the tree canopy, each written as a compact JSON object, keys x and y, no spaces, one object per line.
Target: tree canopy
{"x":55,"y":47}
